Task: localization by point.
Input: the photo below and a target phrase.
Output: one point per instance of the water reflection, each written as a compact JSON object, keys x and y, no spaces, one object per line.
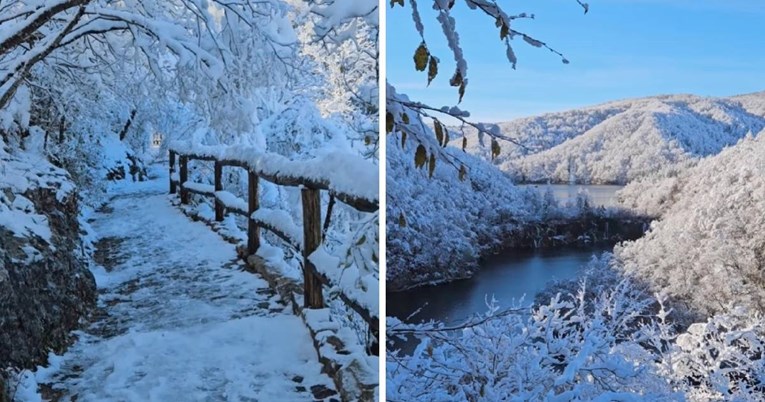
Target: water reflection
{"x":601,"y":195}
{"x":507,"y":277}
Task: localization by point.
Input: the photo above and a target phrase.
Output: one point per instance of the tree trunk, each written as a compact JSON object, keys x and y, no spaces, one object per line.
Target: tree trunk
{"x":61,"y":130}
{"x":125,"y":129}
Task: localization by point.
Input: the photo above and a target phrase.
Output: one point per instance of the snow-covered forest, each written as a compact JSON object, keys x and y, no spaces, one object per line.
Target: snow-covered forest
{"x":189,"y":201}
{"x":676,"y":315}
{"x":473,"y":216}
{"x":92,"y":94}
{"x":715,"y":211}
{"x":620,"y":141}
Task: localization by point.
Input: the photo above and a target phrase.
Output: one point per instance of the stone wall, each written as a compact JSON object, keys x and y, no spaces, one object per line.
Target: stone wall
{"x":45,"y":289}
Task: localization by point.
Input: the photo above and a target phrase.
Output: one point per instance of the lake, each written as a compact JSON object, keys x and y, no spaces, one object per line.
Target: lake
{"x":507,"y":276}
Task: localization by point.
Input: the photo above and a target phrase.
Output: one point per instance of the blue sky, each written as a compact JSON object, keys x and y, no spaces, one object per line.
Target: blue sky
{"x":620,"y":49}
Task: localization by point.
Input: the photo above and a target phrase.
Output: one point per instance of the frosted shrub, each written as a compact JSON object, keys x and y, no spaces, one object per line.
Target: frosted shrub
{"x":720,"y":359}
{"x":619,"y":345}
{"x":566,"y":349}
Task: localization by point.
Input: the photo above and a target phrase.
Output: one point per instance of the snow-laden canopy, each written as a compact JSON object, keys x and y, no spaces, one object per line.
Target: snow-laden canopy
{"x":88,"y":84}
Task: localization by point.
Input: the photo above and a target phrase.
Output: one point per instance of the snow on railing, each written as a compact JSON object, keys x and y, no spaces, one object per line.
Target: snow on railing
{"x":198,"y":188}
{"x":231,"y":202}
{"x":280,"y":223}
{"x":349,"y":178}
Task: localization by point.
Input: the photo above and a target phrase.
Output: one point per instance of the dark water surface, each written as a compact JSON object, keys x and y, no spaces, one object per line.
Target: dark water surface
{"x":506,"y":276}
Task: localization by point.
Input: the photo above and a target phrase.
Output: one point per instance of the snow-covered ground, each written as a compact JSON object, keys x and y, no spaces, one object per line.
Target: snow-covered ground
{"x":179,"y":319}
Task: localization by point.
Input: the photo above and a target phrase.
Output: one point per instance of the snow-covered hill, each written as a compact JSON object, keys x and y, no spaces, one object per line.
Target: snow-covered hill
{"x":619,"y":141}
{"x":708,"y":249}
{"x":439,"y":226}
{"x":754,"y":103}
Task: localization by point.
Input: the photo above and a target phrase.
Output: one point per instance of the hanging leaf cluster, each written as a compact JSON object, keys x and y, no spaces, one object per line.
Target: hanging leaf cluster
{"x":458,"y":81}
{"x":421,"y":158}
{"x":495,"y":150}
{"x":421,"y":57}
{"x":390,"y":125}
{"x":432,"y":68}
{"x":504,"y":29}
{"x":424,"y":60}
{"x":442,"y":134}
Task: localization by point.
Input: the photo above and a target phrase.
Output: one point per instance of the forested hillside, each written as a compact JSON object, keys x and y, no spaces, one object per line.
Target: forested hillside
{"x":439,"y":226}
{"x":708,"y":248}
{"x":620,"y":141}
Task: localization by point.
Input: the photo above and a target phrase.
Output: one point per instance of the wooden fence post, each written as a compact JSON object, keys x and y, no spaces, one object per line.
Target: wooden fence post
{"x":218,"y":187}
{"x":172,"y":170}
{"x":313,"y":297}
{"x":184,"y":177}
{"x":253,"y":231}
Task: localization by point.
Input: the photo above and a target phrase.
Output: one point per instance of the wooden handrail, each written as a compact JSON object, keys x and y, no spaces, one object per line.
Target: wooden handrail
{"x":312,"y":219}
{"x":172,"y":172}
{"x":283,"y":178}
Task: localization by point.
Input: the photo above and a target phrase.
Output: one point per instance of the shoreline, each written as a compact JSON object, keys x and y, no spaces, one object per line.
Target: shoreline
{"x":579,"y":232}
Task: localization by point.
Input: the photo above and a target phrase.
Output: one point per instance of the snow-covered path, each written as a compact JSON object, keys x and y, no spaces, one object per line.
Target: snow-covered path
{"x":180,"y":320}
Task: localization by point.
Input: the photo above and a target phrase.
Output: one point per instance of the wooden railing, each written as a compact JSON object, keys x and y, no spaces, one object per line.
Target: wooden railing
{"x":259,"y":218}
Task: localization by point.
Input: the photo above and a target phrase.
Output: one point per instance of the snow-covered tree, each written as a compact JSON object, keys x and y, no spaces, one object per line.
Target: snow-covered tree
{"x":571,"y":348}
{"x":604,"y":339}
{"x":707,"y":250}
{"x":98,"y":78}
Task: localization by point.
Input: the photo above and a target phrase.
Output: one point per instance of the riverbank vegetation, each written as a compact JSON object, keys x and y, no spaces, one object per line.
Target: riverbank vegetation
{"x":616,"y":344}
{"x":708,"y":248}
{"x":484,"y":212}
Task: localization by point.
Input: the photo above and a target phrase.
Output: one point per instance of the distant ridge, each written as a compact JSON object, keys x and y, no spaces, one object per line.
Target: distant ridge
{"x":616,"y":142}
